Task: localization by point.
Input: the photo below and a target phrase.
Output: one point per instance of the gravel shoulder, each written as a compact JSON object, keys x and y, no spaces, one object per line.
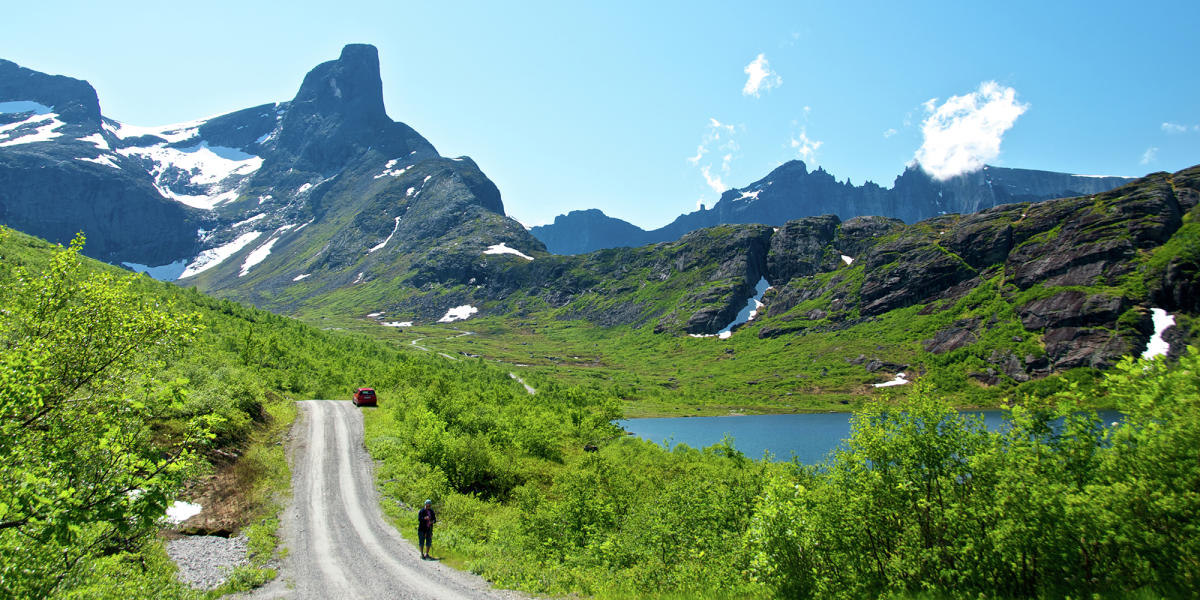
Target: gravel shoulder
{"x":338,"y":543}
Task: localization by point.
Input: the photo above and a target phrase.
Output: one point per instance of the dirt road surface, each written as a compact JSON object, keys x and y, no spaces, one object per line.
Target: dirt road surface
{"x":339,"y":545}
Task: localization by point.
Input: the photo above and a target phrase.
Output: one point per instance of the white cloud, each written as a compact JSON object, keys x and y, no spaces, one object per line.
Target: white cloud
{"x":715,"y":124}
{"x":964,"y":132}
{"x":718,"y":137}
{"x":1150,"y":155}
{"x":806,"y":149}
{"x":713,"y":181}
{"x":890,"y":132}
{"x":760,"y":77}
{"x":1174,"y":128}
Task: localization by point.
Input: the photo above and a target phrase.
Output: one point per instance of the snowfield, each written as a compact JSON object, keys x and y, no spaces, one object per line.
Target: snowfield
{"x":258,"y":255}
{"x":47,"y":124}
{"x":389,"y":171}
{"x":215,"y":256}
{"x":504,"y":249}
{"x":100,"y":160}
{"x":1157,"y":346}
{"x":380,"y":245}
{"x":181,"y":511}
{"x":899,"y":380}
{"x":209,"y":168}
{"x":458,"y":313}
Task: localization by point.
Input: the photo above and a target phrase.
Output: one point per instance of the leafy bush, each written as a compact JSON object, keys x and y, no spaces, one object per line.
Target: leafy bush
{"x":1054,"y":505}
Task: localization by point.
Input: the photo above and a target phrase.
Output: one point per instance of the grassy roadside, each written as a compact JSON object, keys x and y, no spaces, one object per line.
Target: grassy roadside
{"x":265,"y":468}
{"x":147,"y":571}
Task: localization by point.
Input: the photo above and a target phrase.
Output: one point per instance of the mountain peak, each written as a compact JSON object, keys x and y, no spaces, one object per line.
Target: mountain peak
{"x":349,"y":86}
{"x":73,"y":100}
{"x":338,"y":113}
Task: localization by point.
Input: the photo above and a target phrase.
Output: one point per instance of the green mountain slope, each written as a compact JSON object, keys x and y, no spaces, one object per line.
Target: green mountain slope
{"x":986,"y":304}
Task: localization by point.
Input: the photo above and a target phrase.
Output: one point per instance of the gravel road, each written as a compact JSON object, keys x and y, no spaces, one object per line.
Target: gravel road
{"x":339,"y":545}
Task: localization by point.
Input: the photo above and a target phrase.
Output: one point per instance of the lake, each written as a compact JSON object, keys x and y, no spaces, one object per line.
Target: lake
{"x":810,"y":436}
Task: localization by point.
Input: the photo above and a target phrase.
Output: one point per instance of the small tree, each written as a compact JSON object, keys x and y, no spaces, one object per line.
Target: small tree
{"x":81,"y":472}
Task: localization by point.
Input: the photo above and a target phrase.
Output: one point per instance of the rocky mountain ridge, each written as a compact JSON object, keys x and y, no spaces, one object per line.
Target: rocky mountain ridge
{"x":791,"y":191}
{"x":327,"y":175}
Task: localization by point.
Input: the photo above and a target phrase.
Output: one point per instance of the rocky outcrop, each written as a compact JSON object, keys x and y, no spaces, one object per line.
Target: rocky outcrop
{"x":73,"y":100}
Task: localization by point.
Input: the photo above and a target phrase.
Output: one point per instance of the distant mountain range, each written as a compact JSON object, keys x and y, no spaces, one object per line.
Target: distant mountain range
{"x":791,"y":191}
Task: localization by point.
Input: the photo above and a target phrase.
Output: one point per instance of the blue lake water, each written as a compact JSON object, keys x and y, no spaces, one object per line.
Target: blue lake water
{"x":810,"y":436}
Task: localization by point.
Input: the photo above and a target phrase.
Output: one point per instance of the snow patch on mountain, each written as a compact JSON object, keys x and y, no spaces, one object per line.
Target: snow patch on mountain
{"x":214,"y":171}
{"x":380,"y":245}
{"x":748,"y":312}
{"x":257,"y":255}
{"x":250,"y":220}
{"x":899,"y":380}
{"x":458,"y":313}
{"x":388,"y":169}
{"x":173,"y":133}
{"x":215,"y":256}
{"x":44,"y":126}
{"x":504,"y":249}
{"x":100,"y":160}
{"x":96,"y":139}
{"x":1157,"y":346}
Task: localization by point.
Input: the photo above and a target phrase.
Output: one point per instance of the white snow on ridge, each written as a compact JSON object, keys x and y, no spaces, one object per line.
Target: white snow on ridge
{"x":304,"y":188}
{"x":46,"y":125}
{"x":1157,"y":346}
{"x":176,"y":132}
{"x":208,"y":167}
{"x":215,"y":256}
{"x":396,"y":323}
{"x":899,"y":380}
{"x":389,"y":171}
{"x":458,"y":313}
{"x":504,"y":249}
{"x":847,"y":259}
{"x":96,"y":139}
{"x":100,"y":160}
{"x":389,"y":238}
{"x":753,"y":195}
{"x":167,"y":272}
{"x":250,"y":220}
{"x":301,"y":276}
{"x":258,"y":255}
{"x":22,"y":106}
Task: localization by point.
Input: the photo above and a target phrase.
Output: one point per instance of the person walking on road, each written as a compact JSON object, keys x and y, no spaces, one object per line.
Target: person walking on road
{"x":425,"y":520}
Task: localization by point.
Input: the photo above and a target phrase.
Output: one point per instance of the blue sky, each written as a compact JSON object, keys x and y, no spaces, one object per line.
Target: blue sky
{"x":644,"y":109}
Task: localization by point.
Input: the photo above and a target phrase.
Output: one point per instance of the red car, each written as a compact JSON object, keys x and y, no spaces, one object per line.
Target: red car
{"x":364,"y":397}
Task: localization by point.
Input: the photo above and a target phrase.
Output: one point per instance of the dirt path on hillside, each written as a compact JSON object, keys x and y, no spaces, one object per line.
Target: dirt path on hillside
{"x":339,"y":545}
